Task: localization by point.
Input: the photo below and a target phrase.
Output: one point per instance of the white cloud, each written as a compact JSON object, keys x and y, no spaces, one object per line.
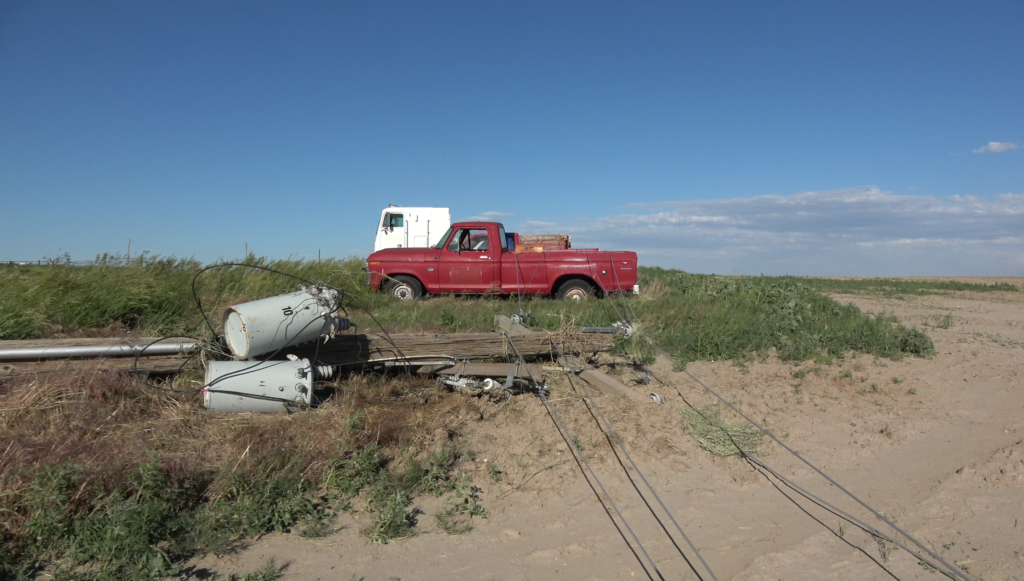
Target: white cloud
{"x":997,"y":147}
{"x":854,"y":231}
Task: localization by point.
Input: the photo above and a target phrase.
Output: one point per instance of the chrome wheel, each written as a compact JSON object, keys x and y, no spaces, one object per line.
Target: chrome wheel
{"x":403,"y":292}
{"x":405,"y":288}
{"x":575,"y":289}
{"x":576,"y":294}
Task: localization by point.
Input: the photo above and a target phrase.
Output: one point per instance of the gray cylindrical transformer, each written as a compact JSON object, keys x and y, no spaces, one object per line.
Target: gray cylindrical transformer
{"x":268,"y":325}
{"x":258,"y":386}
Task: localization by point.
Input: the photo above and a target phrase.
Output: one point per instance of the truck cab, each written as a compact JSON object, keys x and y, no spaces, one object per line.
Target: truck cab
{"x":470,"y":262}
{"x":404,"y":227}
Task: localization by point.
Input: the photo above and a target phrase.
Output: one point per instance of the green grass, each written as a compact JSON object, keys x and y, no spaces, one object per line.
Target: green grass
{"x":496,"y":474}
{"x":150,"y":524}
{"x":694,"y":317}
{"x":709,"y":318}
{"x":152,"y":295}
{"x":457,"y":516}
{"x":270,"y":571}
{"x":391,"y":520}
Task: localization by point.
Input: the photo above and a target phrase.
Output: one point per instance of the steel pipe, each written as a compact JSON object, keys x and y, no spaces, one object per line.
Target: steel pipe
{"x":625,"y":328}
{"x":602,"y":330}
{"x":86,"y":351}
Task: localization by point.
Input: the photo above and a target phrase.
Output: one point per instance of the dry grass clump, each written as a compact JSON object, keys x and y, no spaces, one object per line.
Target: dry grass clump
{"x":653,"y":288}
{"x":89,"y":417}
{"x":720,"y":437}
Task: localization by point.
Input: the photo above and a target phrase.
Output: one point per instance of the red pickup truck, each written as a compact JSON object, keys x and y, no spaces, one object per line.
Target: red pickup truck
{"x":474,"y":258}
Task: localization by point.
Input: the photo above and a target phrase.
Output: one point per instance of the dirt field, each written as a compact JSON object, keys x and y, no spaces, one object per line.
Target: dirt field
{"x":936,"y":444}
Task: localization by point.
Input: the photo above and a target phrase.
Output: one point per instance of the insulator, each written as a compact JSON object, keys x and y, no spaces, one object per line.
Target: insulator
{"x":323,"y":372}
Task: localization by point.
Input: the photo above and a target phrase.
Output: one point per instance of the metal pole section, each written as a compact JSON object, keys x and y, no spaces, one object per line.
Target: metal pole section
{"x":603,"y":330}
{"x":37,"y":353}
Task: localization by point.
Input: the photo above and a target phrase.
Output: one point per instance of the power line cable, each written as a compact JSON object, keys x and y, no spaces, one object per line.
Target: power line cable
{"x":563,"y":430}
{"x":757,"y":464}
{"x":593,"y":269}
{"x":172,"y":389}
{"x":199,"y":303}
{"x":841,"y":513}
{"x":608,"y":429}
{"x":950,"y":571}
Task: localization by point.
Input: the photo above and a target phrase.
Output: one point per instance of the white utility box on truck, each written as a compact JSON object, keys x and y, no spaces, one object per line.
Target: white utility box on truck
{"x":402,"y":227}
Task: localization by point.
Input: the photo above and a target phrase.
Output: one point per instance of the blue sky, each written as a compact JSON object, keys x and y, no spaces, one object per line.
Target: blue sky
{"x":871,"y":138}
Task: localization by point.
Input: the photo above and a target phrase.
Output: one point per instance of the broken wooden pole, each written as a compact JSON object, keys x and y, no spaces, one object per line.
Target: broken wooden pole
{"x":611,"y":386}
{"x":511,"y":327}
{"x":484,"y":370}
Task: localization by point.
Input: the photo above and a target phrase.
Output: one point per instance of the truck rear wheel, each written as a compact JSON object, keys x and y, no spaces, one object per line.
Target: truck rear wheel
{"x":405,"y":288}
{"x":575,"y":289}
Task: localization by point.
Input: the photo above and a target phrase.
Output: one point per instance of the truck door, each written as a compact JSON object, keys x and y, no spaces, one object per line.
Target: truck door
{"x":469,"y":261}
{"x":393,"y":231}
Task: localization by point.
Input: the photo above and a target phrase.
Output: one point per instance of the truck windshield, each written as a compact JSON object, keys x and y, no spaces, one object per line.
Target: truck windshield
{"x":444,"y":238}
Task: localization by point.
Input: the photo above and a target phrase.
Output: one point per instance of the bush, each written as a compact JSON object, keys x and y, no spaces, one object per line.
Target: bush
{"x":709,"y":318}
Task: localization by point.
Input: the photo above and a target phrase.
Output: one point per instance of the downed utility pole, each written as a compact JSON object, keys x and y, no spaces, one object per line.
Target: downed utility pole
{"x":118,"y":354}
{"x":375,"y":347}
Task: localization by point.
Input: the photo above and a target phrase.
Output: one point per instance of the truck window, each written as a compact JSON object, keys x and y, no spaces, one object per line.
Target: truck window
{"x":444,"y":238}
{"x":478,"y":240}
{"x":393,"y":220}
{"x":454,"y":244}
{"x":469,"y":241}
{"x":503,"y":238}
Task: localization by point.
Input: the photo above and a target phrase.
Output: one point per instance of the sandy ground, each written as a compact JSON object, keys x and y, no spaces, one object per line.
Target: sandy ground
{"x":935,"y":444}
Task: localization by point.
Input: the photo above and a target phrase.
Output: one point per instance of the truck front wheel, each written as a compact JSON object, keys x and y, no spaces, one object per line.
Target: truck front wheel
{"x":575,"y":289}
{"x":405,"y":288}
